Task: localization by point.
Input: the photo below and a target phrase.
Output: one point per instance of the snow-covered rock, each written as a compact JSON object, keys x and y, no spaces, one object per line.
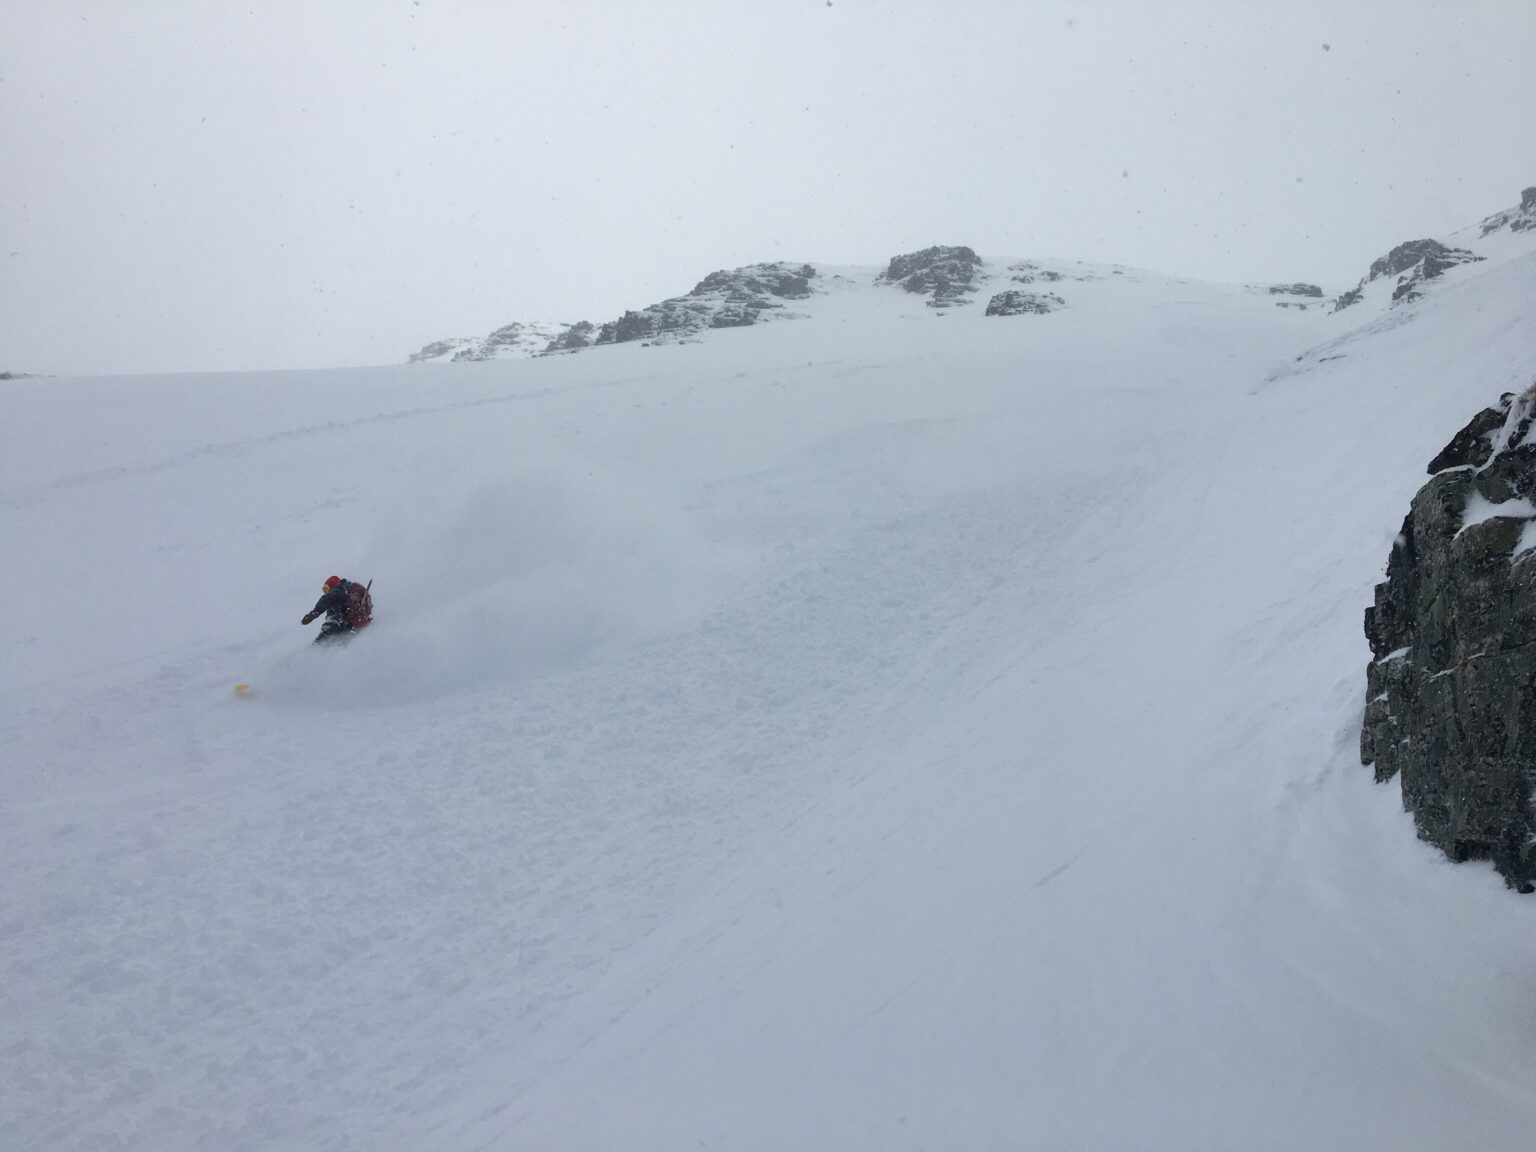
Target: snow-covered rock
{"x":1016,"y":303}
{"x":440,"y":350}
{"x":1519,"y":219}
{"x":1414,"y":263}
{"x":947,"y":275}
{"x":578,"y":336}
{"x":514,"y":341}
{"x":1450,"y":709}
{"x":735,"y":298}
{"x":1412,"y":266}
{"x":1027,"y":272}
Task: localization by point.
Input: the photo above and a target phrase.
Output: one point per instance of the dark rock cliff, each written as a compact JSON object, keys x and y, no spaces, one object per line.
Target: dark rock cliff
{"x":1451,"y":688}
{"x":1414,"y":263}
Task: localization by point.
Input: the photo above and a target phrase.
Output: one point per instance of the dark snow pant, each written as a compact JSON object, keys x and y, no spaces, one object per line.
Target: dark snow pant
{"x":332,"y":628}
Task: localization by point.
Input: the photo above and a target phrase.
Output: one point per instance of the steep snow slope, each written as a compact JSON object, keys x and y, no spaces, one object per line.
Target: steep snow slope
{"x":887,"y":730}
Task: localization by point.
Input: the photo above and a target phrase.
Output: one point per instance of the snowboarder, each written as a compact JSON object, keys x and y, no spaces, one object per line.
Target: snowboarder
{"x":348,"y":607}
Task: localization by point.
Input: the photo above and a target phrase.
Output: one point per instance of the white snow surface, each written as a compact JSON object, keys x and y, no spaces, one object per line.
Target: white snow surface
{"x":890,"y":730}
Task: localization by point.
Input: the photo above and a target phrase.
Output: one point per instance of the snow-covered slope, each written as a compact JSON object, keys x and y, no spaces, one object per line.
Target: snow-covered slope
{"x":894,"y":729}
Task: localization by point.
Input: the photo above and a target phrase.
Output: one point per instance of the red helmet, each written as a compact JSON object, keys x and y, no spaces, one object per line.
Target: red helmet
{"x":332,"y":582}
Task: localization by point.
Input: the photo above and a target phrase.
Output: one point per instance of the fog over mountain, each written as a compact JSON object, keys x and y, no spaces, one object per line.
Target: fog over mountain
{"x":291,"y":185}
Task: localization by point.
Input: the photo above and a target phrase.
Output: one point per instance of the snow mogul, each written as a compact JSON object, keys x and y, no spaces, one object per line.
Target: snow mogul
{"x":347,"y":607}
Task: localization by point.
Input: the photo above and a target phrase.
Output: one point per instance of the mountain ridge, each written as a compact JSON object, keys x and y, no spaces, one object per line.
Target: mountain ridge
{"x":946,"y":276}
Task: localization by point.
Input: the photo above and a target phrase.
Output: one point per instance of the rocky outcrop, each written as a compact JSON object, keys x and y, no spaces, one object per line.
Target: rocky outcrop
{"x":1297,"y":289}
{"x":945,"y":274}
{"x":1414,"y":263}
{"x":1028,"y":273}
{"x":578,"y":336}
{"x":1451,"y":688}
{"x":509,"y":342}
{"x":1521,"y":219}
{"x":442,"y":349}
{"x":726,"y":299}
{"x":1014,"y":303}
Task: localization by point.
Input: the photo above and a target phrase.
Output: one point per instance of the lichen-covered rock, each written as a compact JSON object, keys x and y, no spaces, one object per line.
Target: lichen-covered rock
{"x":1013,"y":303}
{"x":726,"y":299}
{"x":1521,"y":219}
{"x":946,"y":274}
{"x":1451,"y":688}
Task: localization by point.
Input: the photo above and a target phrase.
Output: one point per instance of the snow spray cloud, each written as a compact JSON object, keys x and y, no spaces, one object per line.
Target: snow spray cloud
{"x":484,"y":576}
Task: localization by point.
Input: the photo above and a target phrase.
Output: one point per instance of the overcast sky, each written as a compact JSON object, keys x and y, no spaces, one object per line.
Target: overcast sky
{"x":197,"y":185}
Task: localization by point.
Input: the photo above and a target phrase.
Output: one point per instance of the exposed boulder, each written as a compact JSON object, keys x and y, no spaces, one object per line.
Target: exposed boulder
{"x":727,"y":299}
{"x":1297,"y":289}
{"x":1521,"y":219}
{"x":1451,"y":688}
{"x":1414,"y":263}
{"x":946,"y":274}
{"x":1014,"y":303}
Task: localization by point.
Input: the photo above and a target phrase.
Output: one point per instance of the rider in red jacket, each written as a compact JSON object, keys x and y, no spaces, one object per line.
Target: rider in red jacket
{"x":343,"y":606}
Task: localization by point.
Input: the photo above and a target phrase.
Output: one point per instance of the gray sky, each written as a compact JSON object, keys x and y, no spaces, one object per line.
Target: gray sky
{"x":196,"y":185}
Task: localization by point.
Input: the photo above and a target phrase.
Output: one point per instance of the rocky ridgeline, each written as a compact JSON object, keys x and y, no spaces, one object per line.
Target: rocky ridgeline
{"x":1451,"y":688}
{"x":946,"y":274}
{"x":1521,"y":219}
{"x":510,"y":341}
{"x":1418,"y":262}
{"x":727,"y":299}
{"x":733,"y":299}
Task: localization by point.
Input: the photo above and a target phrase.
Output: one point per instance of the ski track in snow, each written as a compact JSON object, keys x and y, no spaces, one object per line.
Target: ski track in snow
{"x":880,"y":730}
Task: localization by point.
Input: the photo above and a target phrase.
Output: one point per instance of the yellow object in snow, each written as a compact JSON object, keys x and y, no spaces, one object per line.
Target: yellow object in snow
{"x":242,"y":689}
